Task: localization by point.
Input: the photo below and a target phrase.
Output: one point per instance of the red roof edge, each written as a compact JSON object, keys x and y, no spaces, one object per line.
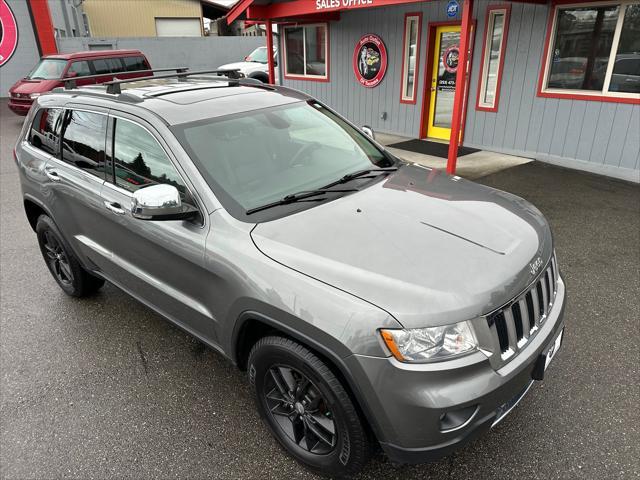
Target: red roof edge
{"x":237,"y":10}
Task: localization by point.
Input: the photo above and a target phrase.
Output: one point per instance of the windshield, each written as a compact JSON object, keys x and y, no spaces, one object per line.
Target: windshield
{"x":258,"y":55}
{"x":48,"y":69}
{"x":252,"y":159}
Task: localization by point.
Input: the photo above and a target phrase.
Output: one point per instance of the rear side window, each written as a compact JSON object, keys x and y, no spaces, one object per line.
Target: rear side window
{"x":134,"y":63}
{"x":115,"y":65}
{"x":45,"y":130}
{"x":83,"y":141}
{"x":101,"y":66}
{"x":140,"y":160}
{"x":80,"y":67}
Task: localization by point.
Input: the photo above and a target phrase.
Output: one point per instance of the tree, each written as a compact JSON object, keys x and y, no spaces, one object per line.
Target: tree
{"x":139,"y":166}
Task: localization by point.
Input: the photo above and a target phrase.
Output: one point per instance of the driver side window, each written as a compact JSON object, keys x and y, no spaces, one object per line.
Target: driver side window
{"x":139,"y":160}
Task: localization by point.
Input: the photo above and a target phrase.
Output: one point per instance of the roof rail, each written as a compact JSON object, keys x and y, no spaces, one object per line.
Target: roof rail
{"x":70,"y":82}
{"x":232,"y":74}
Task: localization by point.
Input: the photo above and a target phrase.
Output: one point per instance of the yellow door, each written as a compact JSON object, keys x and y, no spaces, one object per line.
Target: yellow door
{"x":446,"y":51}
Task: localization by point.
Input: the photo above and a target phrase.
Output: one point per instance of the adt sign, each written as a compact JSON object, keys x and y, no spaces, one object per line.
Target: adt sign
{"x":452,"y":8}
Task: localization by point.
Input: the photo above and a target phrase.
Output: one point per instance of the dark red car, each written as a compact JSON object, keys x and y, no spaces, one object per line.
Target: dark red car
{"x":51,"y":71}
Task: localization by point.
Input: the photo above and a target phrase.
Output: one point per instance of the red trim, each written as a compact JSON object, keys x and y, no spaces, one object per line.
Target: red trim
{"x":461,"y":79}
{"x":306,"y":78}
{"x":270,"y":62}
{"x":416,"y":73}
{"x":503,"y":51}
{"x":543,"y":65}
{"x":305,"y":7}
{"x":375,"y":81}
{"x":237,"y":10}
{"x":319,"y":18}
{"x":595,"y":98}
{"x":43,"y":26}
{"x":467,"y":89}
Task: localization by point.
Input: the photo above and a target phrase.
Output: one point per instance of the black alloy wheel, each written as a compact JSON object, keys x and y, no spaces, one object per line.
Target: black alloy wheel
{"x":65,"y":268}
{"x":299,"y":408}
{"x":306,"y":407}
{"x":57,"y":258}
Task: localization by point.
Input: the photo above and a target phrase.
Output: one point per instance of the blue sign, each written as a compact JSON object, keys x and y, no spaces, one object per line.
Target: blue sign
{"x":452,"y":8}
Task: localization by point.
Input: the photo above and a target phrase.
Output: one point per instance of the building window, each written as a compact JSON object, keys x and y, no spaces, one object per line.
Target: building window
{"x":493,"y":50}
{"x":410,"y":55}
{"x":593,"y":52}
{"x":306,"y":52}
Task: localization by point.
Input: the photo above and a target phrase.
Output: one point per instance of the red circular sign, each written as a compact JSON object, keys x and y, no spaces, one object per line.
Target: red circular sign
{"x":8,"y":33}
{"x":370,"y":60}
{"x":450,"y":59}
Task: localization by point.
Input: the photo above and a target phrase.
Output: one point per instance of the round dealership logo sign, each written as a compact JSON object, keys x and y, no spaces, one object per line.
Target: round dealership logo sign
{"x":370,"y":60}
{"x":8,"y":33}
{"x":450,"y":59}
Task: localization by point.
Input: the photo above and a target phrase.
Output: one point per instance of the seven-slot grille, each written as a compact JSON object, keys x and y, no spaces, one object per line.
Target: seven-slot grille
{"x":518,"y":321}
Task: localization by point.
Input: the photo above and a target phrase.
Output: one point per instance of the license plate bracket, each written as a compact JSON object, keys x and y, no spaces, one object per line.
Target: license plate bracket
{"x":545,"y":358}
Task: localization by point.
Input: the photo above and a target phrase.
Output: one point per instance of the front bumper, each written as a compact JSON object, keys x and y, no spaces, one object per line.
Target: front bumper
{"x":20,"y":106}
{"x":409,"y":401}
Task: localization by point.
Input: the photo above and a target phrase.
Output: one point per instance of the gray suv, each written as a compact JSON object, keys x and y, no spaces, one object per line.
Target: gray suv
{"x":372,"y":302}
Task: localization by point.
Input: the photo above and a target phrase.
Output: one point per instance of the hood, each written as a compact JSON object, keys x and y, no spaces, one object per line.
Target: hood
{"x":26,"y":86}
{"x":428,"y":248}
{"x":240,"y":65}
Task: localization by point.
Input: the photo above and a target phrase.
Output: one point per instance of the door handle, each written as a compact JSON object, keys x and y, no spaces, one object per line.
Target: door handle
{"x":114,"y":207}
{"x":52,"y":175}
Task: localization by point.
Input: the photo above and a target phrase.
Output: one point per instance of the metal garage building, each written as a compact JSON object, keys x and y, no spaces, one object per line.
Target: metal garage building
{"x":555,"y":81}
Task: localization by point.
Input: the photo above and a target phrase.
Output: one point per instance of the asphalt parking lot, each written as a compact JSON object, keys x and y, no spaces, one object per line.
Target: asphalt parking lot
{"x":105,"y":388}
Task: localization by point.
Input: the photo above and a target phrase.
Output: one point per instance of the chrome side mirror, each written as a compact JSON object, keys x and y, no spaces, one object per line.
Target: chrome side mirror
{"x":368,"y":131}
{"x":160,"y":202}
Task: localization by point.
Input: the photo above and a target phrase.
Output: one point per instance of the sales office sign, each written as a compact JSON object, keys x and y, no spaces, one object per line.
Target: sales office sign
{"x":333,"y":4}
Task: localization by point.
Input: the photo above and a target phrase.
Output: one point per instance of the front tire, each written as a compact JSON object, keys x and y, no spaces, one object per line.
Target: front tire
{"x":306,"y":407}
{"x":62,"y":263}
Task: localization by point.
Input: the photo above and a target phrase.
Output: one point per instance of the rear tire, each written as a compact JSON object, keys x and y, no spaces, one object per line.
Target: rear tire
{"x":62,"y":263}
{"x":306,"y":408}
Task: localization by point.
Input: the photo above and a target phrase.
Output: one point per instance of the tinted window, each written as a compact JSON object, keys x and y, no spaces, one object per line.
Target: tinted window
{"x":45,"y":130}
{"x":101,"y":66}
{"x":134,"y":63}
{"x":305,"y":50}
{"x":582,"y":47}
{"x":115,"y":65}
{"x":626,"y":71}
{"x":81,"y":68}
{"x":140,"y":160}
{"x":83,"y":141}
{"x":261,"y":156}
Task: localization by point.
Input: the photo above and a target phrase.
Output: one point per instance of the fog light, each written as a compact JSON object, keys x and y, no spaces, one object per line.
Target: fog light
{"x":456,"y":419}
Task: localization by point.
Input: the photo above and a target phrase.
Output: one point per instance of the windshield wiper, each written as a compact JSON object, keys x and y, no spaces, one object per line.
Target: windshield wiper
{"x":302,"y":196}
{"x":359,"y":174}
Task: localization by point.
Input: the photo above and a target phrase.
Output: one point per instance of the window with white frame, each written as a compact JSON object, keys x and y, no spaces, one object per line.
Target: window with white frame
{"x":495,"y":41}
{"x":410,"y":56}
{"x":306,"y":50}
{"x":595,"y":50}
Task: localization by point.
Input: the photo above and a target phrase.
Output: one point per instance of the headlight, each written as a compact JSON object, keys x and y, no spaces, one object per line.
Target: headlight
{"x":33,"y":95}
{"x":430,"y":344}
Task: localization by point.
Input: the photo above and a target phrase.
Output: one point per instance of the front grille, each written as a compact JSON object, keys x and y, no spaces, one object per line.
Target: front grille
{"x":518,"y":322}
{"x":20,"y":101}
